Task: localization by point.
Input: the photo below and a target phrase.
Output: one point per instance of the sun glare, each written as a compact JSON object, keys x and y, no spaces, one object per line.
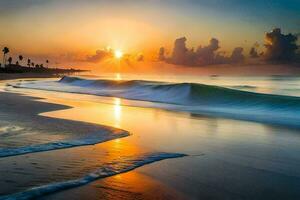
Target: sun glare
{"x":118,"y":77}
{"x":118,"y":54}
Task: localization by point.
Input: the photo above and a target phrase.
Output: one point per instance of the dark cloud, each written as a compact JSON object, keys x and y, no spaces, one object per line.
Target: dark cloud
{"x":161,"y":54}
{"x":99,"y":56}
{"x":179,"y":54}
{"x":253,"y":53}
{"x":280,"y":47}
{"x":237,"y":55}
{"x":207,"y":55}
{"x":221,"y":58}
{"x":140,"y":58}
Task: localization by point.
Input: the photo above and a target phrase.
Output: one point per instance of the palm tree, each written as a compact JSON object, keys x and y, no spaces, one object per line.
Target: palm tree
{"x":47,"y":61}
{"x":20,"y":58}
{"x":32,"y":64}
{"x":9,"y":60}
{"x":28,"y":62}
{"x":5,"y":51}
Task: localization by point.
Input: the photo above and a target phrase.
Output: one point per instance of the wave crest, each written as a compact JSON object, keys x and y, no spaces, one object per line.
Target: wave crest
{"x":191,"y":97}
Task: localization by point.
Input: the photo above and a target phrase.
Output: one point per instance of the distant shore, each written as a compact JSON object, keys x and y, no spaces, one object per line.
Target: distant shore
{"x":15,"y":72}
{"x":8,"y":76}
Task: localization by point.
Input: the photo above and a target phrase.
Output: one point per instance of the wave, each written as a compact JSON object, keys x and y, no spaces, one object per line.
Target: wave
{"x":243,"y":87}
{"x":191,"y":97}
{"x":106,"y":170}
{"x":90,"y":139}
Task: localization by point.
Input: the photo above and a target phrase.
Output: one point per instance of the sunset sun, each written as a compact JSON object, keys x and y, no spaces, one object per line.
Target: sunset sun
{"x":118,"y":54}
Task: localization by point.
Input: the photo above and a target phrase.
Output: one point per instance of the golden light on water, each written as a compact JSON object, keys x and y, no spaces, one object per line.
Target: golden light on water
{"x":118,"y":77}
{"x":117,"y":111}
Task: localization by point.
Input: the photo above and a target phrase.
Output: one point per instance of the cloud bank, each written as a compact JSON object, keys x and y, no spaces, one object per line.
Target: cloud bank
{"x":140,"y":58}
{"x":161,"y":54}
{"x":280,"y":47}
{"x":206,"y":55}
{"x":99,"y":56}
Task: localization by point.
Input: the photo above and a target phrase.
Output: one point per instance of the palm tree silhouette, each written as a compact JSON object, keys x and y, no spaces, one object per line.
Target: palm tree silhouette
{"x":9,"y":60}
{"x":28,"y":62}
{"x":47,"y":61}
{"x":5,"y":51}
{"x":20,"y":58}
{"x":32,"y":64}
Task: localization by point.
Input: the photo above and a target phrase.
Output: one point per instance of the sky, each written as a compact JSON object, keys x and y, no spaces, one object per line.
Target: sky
{"x":67,"y":30}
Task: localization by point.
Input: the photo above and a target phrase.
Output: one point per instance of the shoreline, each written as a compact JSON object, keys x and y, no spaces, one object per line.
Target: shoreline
{"x":32,"y":120}
{"x":12,"y":76}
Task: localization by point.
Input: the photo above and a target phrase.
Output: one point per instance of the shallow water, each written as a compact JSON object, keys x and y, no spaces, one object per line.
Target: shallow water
{"x":229,"y":158}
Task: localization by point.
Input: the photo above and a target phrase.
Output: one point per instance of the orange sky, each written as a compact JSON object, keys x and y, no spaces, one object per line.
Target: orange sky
{"x":65,"y":32}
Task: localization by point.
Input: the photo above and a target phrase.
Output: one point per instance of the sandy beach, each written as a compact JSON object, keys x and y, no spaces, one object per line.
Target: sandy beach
{"x":227,"y":159}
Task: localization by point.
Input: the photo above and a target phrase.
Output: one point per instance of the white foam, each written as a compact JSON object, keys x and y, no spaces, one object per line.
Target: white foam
{"x":109,"y":169}
{"x":90,"y":139}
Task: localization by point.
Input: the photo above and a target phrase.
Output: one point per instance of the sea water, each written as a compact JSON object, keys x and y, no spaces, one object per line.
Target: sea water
{"x":227,"y":156}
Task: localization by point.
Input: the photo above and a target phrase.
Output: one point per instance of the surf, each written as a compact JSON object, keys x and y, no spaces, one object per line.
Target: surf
{"x":109,"y":169}
{"x":191,"y":97}
{"x":89,"y":139}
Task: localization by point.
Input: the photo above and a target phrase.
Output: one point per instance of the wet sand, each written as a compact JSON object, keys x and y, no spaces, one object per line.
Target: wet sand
{"x":20,"y":117}
{"x":229,"y":159}
{"x":130,"y":185}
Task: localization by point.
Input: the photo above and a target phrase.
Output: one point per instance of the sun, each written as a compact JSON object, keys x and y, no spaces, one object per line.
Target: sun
{"x":118,"y":54}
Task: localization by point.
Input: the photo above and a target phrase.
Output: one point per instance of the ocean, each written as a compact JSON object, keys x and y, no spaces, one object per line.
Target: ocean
{"x":266,"y":99}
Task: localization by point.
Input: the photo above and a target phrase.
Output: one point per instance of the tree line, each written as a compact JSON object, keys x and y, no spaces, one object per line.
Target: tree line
{"x":29,"y":66}
{"x":19,"y":60}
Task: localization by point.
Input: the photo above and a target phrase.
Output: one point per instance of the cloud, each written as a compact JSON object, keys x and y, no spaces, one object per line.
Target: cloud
{"x":99,"y":56}
{"x":179,"y":54}
{"x":207,"y":55}
{"x":280,"y":47}
{"x":161,"y":54}
{"x":140,"y":58}
{"x":237,"y":55}
{"x":220,"y":58}
{"x":253,"y":53}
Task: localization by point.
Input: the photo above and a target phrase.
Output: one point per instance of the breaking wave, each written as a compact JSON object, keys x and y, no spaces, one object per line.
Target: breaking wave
{"x":191,"y":97}
{"x":109,"y":169}
{"x":90,"y":139}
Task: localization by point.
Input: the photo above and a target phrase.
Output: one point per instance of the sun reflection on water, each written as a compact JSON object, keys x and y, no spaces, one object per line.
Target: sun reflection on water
{"x":118,"y":77}
{"x":117,"y":111}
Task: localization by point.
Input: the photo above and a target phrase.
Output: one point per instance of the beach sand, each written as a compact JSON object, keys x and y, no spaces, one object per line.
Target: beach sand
{"x":228,"y":159}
